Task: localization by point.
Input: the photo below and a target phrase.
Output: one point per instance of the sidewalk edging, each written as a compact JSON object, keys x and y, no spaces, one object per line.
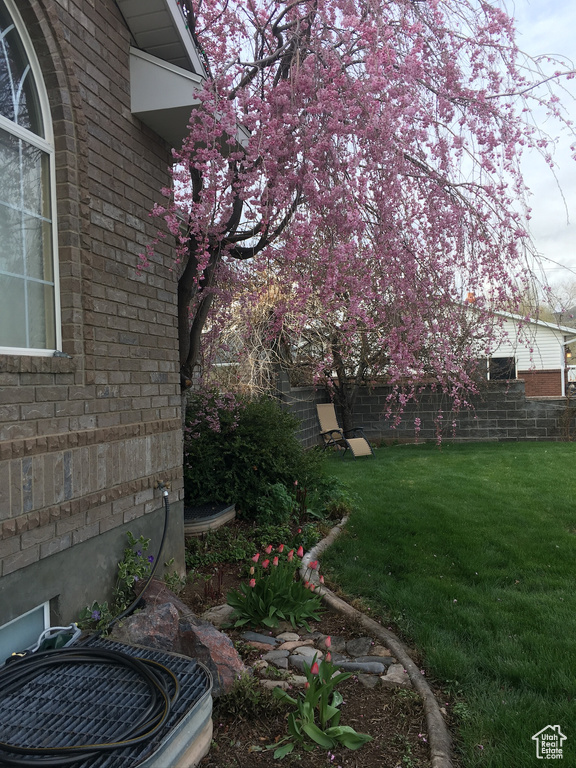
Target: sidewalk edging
{"x":438,"y":735}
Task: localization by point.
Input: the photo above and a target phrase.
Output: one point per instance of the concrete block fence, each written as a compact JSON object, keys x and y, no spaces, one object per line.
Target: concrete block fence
{"x":500,"y":412}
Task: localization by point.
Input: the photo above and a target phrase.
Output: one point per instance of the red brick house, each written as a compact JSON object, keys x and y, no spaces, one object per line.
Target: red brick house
{"x":93,"y":95}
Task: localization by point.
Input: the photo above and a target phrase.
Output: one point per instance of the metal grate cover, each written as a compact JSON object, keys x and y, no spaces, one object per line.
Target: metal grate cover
{"x":81,"y":704}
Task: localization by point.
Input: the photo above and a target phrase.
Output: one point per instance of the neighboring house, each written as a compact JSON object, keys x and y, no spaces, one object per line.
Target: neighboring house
{"x":537,"y":354}
{"x":93,"y":95}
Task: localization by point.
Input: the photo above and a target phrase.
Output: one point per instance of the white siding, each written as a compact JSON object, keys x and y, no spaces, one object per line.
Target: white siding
{"x":538,"y":348}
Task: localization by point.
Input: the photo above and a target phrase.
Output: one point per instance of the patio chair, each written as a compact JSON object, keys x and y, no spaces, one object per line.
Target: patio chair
{"x":334,"y":436}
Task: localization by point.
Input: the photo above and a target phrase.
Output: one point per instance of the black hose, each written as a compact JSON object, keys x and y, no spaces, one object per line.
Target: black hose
{"x":147,"y":723}
{"x":134,"y":604}
{"x":17,"y":674}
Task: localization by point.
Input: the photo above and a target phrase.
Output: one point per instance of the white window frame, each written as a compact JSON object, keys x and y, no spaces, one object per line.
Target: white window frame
{"x":46,"y":145}
{"x":5,"y":628}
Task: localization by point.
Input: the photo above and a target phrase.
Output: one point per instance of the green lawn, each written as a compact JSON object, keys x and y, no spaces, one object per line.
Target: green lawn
{"x":471,"y":551}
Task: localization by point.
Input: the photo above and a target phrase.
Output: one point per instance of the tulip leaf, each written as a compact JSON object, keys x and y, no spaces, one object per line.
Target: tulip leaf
{"x":317,"y":735}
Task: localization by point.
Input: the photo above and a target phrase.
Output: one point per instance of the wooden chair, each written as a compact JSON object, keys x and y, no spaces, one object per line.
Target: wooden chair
{"x":334,"y":436}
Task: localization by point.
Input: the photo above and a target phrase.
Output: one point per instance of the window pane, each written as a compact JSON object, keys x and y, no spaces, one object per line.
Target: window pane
{"x":41,"y":316}
{"x":10,"y":169}
{"x":12,"y":312}
{"x":18,"y":95}
{"x":38,"y":248}
{"x":11,"y":246}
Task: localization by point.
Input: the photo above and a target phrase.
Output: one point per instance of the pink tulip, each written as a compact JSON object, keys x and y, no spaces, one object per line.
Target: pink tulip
{"x":300,"y":552}
{"x":290,"y":555}
{"x":321,"y":579}
{"x":256,"y":557}
{"x":312,"y":587}
{"x":328,"y":656}
{"x":281,"y":548}
{"x":268,"y":549}
{"x":306,"y":584}
{"x":251,"y":570}
{"x":328,"y":641}
{"x":315,"y":668}
{"x":252,"y":582}
{"x":275,"y":561}
{"x":266,"y":563}
{"x":313,"y":565}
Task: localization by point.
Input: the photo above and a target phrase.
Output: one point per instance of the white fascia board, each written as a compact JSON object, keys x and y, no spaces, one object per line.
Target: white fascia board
{"x":186,"y":37}
{"x":162,"y":95}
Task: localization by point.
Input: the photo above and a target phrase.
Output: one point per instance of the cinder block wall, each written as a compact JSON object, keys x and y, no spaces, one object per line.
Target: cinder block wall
{"x":85,"y":438}
{"x":501,"y":412}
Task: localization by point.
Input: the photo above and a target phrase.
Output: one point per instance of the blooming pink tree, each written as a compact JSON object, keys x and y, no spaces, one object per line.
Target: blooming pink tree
{"x":364,"y":155}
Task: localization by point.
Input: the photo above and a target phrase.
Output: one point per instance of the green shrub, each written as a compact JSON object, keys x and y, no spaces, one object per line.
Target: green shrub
{"x":238,"y":451}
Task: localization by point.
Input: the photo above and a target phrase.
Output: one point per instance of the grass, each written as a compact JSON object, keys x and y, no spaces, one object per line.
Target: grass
{"x":471,"y":551}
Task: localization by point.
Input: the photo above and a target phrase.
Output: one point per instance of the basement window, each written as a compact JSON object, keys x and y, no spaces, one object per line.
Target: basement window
{"x":23,"y":631}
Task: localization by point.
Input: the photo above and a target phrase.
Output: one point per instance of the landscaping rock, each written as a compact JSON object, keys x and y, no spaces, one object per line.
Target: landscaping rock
{"x":359,"y":646}
{"x":308,"y":652}
{"x":271,"y":684}
{"x":220,"y":615}
{"x":387,"y":661}
{"x":256,"y":637}
{"x":275,"y":655}
{"x":397,"y":677}
{"x":369,"y":668}
{"x":168,"y":624}
{"x":287,"y":637}
{"x":291,"y":644}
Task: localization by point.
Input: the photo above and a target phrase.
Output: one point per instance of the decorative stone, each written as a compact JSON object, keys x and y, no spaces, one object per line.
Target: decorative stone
{"x":219,"y":615}
{"x":291,"y":644}
{"x":271,"y":684}
{"x":387,"y":661}
{"x":259,"y":646}
{"x":275,"y":655}
{"x":337,"y":645}
{"x":297,"y":681}
{"x":260,"y":665}
{"x":288,"y":637}
{"x":297,"y":662}
{"x":256,"y":637}
{"x":280,"y":663}
{"x":397,"y":677}
{"x":308,"y":652}
{"x":359,"y":646}
{"x":380,"y":650}
{"x":168,"y":624}
{"x":338,"y":657}
{"x":369,"y":668}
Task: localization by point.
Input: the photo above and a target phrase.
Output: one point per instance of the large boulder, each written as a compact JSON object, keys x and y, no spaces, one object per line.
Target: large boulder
{"x":168,"y":624}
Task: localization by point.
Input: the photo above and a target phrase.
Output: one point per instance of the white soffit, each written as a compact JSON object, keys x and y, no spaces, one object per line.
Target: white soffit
{"x":159,"y":28}
{"x":162,"y":95}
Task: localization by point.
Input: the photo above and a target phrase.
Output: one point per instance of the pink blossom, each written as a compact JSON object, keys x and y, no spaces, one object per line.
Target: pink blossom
{"x":328,"y":656}
{"x":328,"y":641}
{"x":300,"y":551}
{"x":256,"y":557}
{"x":290,"y":556}
{"x":268,"y":549}
{"x":252,"y":582}
{"x":266,"y":563}
{"x":275,"y":561}
{"x":313,"y":565}
{"x":314,"y":669}
{"x":321,"y":579}
{"x":281,"y":548}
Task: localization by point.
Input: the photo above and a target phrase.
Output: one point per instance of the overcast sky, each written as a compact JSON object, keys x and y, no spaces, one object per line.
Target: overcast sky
{"x":547,"y":26}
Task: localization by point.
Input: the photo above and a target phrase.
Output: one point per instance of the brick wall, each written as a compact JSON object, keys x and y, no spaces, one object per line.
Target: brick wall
{"x":501,"y":412}
{"x":542,"y":383}
{"x":84,"y":439}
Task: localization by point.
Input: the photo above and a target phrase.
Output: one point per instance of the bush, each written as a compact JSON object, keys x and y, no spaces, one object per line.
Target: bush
{"x":238,"y":451}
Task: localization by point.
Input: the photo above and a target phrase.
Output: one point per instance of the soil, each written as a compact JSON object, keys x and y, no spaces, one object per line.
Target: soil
{"x":245,"y":725}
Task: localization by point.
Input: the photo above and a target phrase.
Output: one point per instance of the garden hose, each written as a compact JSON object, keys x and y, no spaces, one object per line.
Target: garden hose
{"x":148,"y":722}
{"x":134,"y":604}
{"x":17,"y":674}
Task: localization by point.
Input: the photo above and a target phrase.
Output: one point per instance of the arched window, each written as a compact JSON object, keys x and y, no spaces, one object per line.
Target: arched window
{"x":29,"y":313}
